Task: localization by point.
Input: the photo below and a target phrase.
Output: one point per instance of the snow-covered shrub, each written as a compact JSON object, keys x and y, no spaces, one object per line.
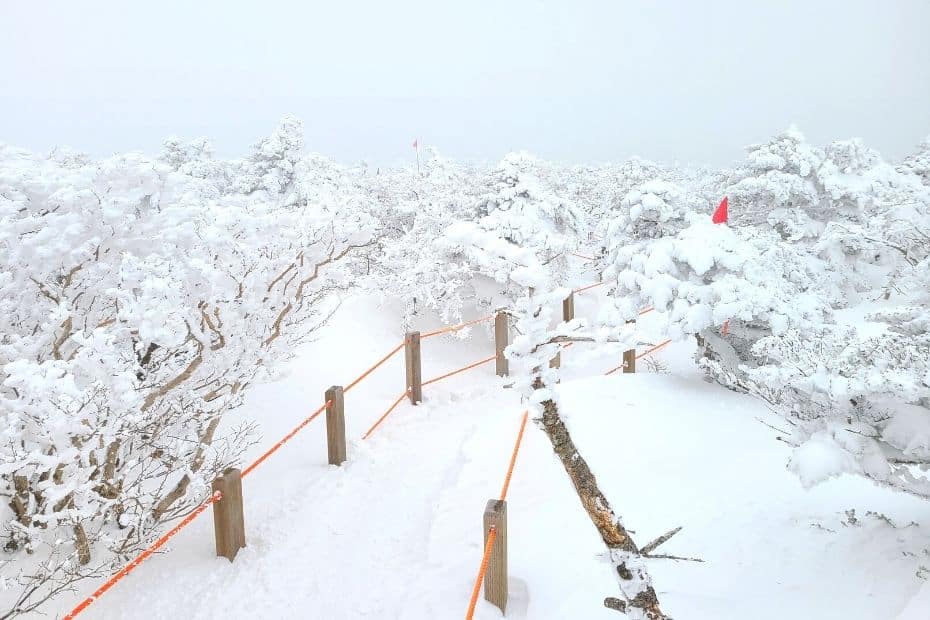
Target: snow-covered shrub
{"x":653,"y":209}
{"x":428,"y":268}
{"x":520,"y":210}
{"x":859,"y":404}
{"x":134,"y":313}
{"x":270,"y":166}
{"x":410,"y":261}
{"x":709,"y":274}
{"x":778,"y":186}
{"x":918,"y":162}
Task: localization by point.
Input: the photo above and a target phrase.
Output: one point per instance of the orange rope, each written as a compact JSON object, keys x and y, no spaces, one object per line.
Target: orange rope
{"x":372,"y":369}
{"x":584,"y":288}
{"x":455,"y":372}
{"x":284,"y":440}
{"x":646,"y":310}
{"x":455,"y":328}
{"x":643,"y":354}
{"x":513,"y":457}
{"x":142,"y":557}
{"x":386,"y":413}
{"x":653,"y":349}
{"x":582,"y":256}
{"x":492,"y":534}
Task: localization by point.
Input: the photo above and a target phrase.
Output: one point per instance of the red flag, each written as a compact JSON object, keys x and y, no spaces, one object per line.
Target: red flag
{"x":720,"y":215}
{"x":416,"y":143}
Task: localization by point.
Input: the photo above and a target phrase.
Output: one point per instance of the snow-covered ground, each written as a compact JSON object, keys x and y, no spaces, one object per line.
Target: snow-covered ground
{"x":396,"y":532}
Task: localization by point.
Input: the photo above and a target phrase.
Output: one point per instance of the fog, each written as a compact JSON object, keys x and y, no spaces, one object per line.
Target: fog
{"x":573,"y":81}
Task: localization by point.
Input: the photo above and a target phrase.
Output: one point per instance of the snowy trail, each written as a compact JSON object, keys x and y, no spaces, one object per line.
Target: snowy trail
{"x":396,"y":532}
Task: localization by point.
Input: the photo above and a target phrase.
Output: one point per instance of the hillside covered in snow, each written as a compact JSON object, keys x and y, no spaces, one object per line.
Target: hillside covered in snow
{"x":166,"y":318}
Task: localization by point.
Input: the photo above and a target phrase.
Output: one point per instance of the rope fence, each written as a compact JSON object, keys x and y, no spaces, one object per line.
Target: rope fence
{"x":494,"y":562}
{"x":229,"y":530}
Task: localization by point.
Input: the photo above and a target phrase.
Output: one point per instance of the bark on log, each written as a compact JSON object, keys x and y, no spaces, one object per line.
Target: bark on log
{"x":612,"y":532}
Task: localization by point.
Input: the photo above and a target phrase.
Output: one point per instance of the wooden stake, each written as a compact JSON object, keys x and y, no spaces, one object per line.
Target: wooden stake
{"x":414,"y":374}
{"x":501,"y":340}
{"x":228,"y":522}
{"x":568,"y":313}
{"x":568,"y":308}
{"x":335,"y":425}
{"x":495,"y":579}
{"x":629,"y":361}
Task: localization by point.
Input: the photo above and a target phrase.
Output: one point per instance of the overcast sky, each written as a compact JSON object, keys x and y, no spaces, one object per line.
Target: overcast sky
{"x":572,"y":80}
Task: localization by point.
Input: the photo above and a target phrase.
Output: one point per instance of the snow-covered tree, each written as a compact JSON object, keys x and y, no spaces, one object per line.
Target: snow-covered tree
{"x":778,"y":186}
{"x":918,"y":162}
{"x":651,"y":210}
{"x":135,"y":314}
{"x":270,"y":166}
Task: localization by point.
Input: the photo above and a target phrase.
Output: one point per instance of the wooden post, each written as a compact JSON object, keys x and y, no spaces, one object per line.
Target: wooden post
{"x":568,"y":313}
{"x":501,"y":340}
{"x":228,"y":523}
{"x":629,"y":361}
{"x":495,"y":579}
{"x":335,"y":425}
{"x":414,"y":375}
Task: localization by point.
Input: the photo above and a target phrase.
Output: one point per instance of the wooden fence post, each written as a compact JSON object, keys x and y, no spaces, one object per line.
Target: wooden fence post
{"x":228,"y":523}
{"x":629,"y":361}
{"x":335,"y":425}
{"x":568,"y":313}
{"x":501,"y":340}
{"x":414,"y":374}
{"x":495,"y":579}
{"x":568,"y":308}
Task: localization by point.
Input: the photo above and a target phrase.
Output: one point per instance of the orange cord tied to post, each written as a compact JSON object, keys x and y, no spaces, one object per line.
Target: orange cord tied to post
{"x":216,"y":496}
{"x":492,"y":533}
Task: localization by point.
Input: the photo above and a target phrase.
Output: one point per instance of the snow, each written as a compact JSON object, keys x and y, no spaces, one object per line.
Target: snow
{"x":820,"y":458}
{"x":675,"y":451}
{"x":396,"y":532}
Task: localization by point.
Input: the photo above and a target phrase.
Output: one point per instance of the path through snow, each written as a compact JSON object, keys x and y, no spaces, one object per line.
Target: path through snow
{"x":396,"y":532}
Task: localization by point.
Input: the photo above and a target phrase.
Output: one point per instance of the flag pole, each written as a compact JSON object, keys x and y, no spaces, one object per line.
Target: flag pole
{"x":418,"y":157}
